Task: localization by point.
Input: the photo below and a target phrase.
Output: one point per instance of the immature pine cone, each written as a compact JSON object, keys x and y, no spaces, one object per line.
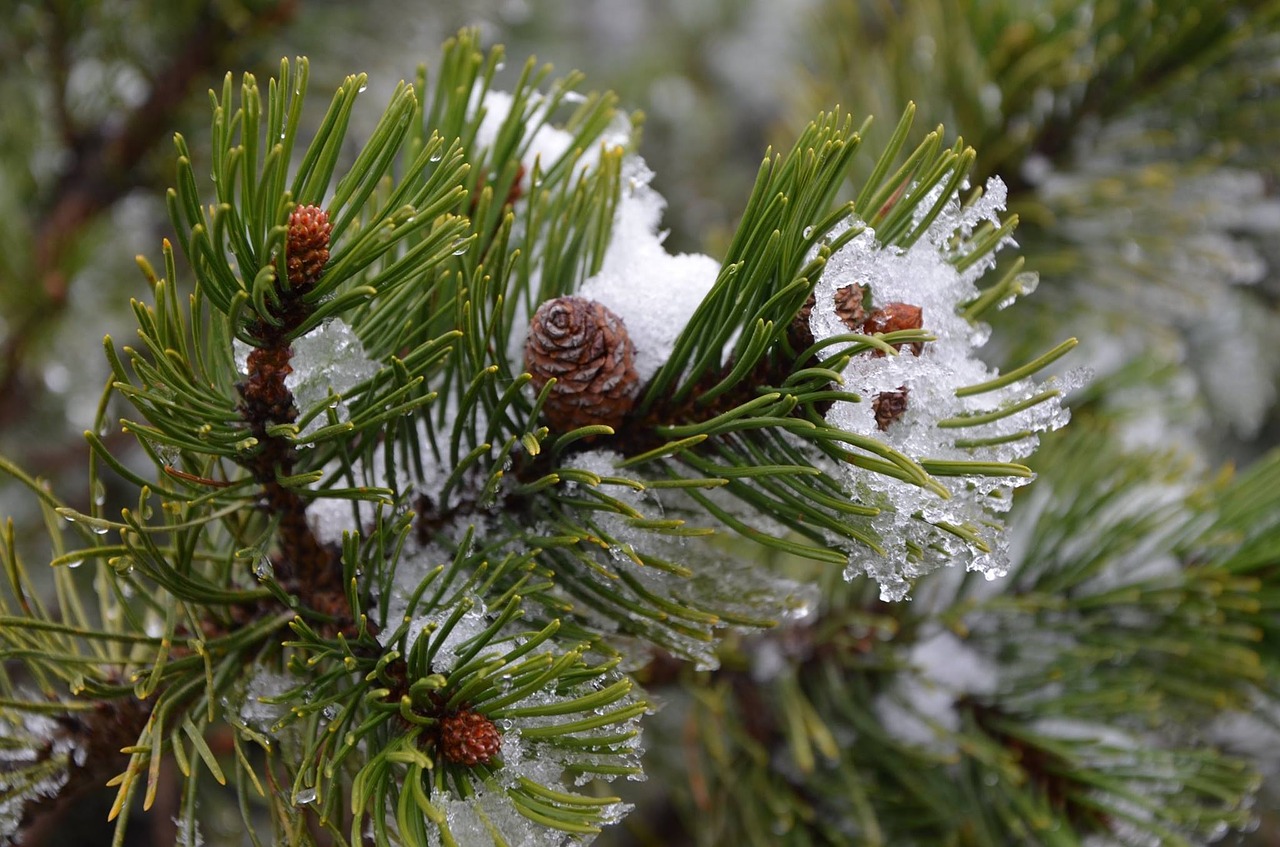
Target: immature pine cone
{"x":893,"y":317}
{"x":469,"y":738}
{"x":848,"y":309}
{"x":307,"y":247}
{"x":889,"y":406}
{"x":586,"y":349}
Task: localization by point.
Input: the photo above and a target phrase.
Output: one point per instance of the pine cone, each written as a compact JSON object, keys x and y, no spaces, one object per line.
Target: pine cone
{"x":893,"y":317}
{"x":889,"y":406}
{"x":469,"y":738}
{"x":848,"y":309}
{"x":586,"y":349}
{"x":307,"y":246}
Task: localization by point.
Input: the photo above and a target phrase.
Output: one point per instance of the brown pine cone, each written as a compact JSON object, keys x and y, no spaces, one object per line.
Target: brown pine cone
{"x":586,"y":349}
{"x":889,"y":406}
{"x":307,"y":245}
{"x":848,"y":309}
{"x":469,"y":738}
{"x":893,"y":317}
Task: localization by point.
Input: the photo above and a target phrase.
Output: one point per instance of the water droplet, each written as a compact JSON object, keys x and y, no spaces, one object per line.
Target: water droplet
{"x":306,"y":796}
{"x":364,"y":87}
{"x":574,"y":97}
{"x":330,"y":711}
{"x":808,"y":232}
{"x":499,"y":66}
{"x":99,"y":492}
{"x":437,"y":157}
{"x":75,"y":563}
{"x":263,"y":568}
{"x":101,"y":530}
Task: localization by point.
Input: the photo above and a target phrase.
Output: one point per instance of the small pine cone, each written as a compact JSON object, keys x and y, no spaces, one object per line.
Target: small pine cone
{"x":848,"y":309}
{"x":585,"y":347}
{"x":469,"y":738}
{"x":307,"y":247}
{"x":893,"y":317}
{"x":889,"y":406}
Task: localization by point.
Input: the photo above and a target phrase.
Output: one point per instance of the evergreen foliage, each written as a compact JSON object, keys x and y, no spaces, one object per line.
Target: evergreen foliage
{"x":371,"y":586}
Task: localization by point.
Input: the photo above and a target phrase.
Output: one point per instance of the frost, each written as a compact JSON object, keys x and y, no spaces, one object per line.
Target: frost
{"x":915,"y":526}
{"x":188,"y":834}
{"x":34,"y":764}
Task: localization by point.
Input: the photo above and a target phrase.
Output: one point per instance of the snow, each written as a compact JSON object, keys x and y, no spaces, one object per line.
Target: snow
{"x":925,"y":276}
{"x":1169,"y":265}
{"x":547,"y":144}
{"x":654,"y":292}
{"x":919,"y":709}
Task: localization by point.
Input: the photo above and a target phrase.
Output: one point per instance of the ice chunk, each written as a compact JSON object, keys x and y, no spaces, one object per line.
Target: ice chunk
{"x":264,"y":685}
{"x":472,"y":623}
{"x":328,"y":359}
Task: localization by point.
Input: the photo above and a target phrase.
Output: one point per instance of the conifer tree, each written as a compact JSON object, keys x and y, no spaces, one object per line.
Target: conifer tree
{"x":456,"y":476}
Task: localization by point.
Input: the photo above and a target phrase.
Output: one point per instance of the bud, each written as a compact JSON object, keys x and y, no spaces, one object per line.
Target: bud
{"x":889,"y":406}
{"x":893,"y":317}
{"x":307,"y":245}
{"x":469,"y":738}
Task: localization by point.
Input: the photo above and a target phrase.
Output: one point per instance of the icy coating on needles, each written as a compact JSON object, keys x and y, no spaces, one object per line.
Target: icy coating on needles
{"x":913,"y":524}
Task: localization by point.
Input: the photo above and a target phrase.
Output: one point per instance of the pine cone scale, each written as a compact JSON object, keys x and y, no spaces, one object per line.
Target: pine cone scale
{"x":586,"y":349}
